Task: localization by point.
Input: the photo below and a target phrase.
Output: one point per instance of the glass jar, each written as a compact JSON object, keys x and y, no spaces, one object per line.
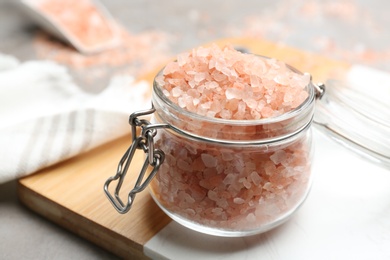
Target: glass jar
{"x":232,"y":177}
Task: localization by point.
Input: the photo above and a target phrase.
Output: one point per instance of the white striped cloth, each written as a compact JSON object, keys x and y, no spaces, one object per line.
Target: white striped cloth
{"x":45,"y":118}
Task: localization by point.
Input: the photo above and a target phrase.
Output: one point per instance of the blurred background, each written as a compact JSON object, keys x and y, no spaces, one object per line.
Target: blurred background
{"x":355,"y":31}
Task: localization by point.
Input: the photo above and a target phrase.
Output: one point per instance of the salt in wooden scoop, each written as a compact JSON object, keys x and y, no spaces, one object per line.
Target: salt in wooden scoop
{"x":85,"y":24}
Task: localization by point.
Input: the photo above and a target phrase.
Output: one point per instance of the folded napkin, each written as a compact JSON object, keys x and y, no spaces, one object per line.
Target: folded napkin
{"x":45,"y":118}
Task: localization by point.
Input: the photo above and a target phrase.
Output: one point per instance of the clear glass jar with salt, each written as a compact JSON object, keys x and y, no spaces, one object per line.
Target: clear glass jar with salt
{"x":229,"y":143}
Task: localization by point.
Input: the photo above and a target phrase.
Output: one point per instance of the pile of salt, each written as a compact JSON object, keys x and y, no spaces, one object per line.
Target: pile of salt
{"x":224,"y":83}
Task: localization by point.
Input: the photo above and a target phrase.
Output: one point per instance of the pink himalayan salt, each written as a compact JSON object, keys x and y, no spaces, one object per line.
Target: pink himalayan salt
{"x":263,"y":87}
{"x":250,"y":190}
{"x":232,"y":188}
{"x":209,"y":160}
{"x":79,"y":18}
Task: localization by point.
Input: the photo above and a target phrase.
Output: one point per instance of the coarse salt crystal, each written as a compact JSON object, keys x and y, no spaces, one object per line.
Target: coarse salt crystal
{"x":251,"y":217}
{"x":212,"y":195}
{"x":255,"y":114}
{"x":199,"y":77}
{"x":225,"y":114}
{"x":181,"y":102}
{"x":212,"y":84}
{"x":232,"y":93}
{"x":281,"y":79}
{"x":217,"y":211}
{"x":269,"y":168}
{"x":278,"y":157}
{"x":210,"y":113}
{"x":255,"y":81}
{"x":209,"y":160}
{"x":227,"y":156}
{"x":238,"y":200}
{"x":171,"y":68}
{"x":218,"y":76}
{"x":176,"y":92}
{"x":190,"y":212}
{"x":192,"y":83}
{"x":229,"y":179}
{"x":256,"y":179}
{"x":251,"y":103}
{"x":267,"y":111}
{"x":247,"y":184}
{"x":182,"y":58}
{"x":267,"y":186}
{"x":195,"y":101}
{"x":183,"y":165}
{"x":191,"y":149}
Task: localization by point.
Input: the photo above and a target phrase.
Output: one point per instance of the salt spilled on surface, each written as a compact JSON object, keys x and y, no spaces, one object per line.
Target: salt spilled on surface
{"x":323,"y":25}
{"x":228,"y":187}
{"x":136,"y":55}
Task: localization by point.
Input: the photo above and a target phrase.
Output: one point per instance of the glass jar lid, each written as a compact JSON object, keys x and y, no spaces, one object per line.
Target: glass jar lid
{"x":355,"y":119}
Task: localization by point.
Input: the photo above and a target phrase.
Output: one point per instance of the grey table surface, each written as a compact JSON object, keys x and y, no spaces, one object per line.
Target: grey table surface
{"x":340,"y":29}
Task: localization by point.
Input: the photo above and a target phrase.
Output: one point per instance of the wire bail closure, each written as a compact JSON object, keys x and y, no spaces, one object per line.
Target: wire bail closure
{"x":154,"y":158}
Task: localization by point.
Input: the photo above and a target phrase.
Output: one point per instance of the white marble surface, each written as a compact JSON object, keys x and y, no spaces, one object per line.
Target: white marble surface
{"x":346,"y":216}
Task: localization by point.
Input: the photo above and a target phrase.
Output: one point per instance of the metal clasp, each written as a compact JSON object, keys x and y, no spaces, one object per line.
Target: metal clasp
{"x":319,"y":88}
{"x":154,"y":158}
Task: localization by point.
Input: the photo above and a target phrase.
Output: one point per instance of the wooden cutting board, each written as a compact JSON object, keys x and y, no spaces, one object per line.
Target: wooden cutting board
{"x":71,"y":193}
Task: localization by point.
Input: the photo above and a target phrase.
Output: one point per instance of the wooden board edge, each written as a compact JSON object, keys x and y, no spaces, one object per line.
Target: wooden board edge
{"x":68,"y":219}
